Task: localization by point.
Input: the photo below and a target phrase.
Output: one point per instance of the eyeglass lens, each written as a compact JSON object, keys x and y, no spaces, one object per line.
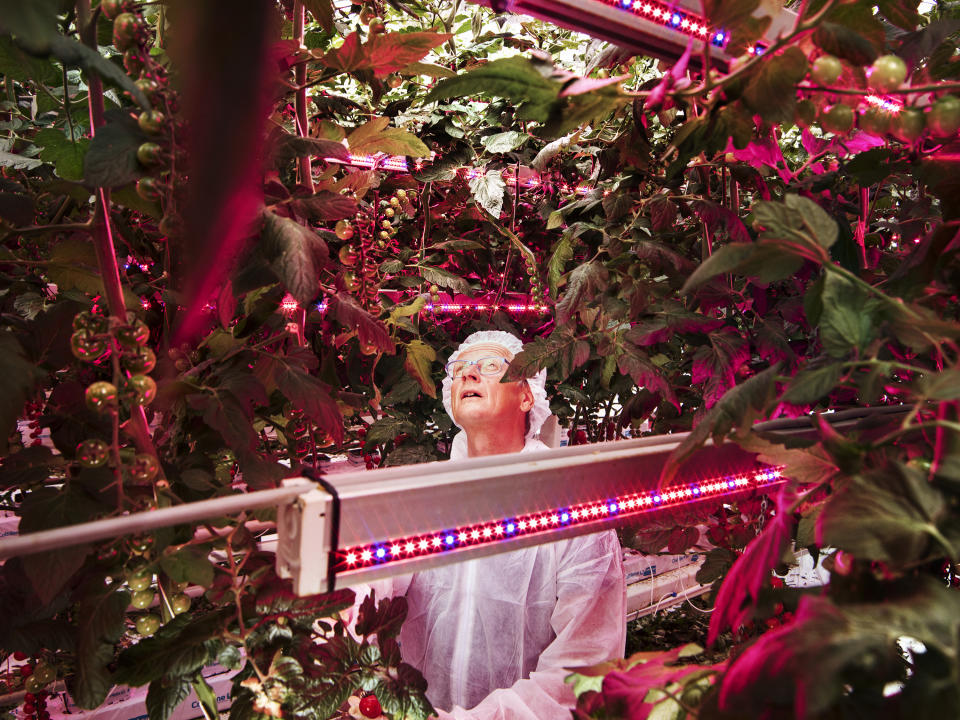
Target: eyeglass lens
{"x":486,"y":366}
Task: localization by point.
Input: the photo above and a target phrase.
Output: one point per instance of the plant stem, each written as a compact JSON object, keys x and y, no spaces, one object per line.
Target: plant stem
{"x":864,"y":91}
{"x":101,"y":230}
{"x":66,"y":105}
{"x":41,"y":229}
{"x":300,"y":73}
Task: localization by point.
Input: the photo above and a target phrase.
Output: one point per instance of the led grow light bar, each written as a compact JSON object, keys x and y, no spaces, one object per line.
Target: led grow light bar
{"x":646,"y":27}
{"x":394,"y":521}
{"x":550,"y":519}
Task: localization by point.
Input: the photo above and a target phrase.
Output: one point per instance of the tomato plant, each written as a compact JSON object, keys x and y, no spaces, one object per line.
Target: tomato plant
{"x":205,"y":293}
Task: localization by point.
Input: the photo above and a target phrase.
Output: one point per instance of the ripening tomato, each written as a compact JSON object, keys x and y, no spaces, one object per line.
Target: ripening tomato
{"x":908,"y":124}
{"x":887,"y":73}
{"x":92,"y":453}
{"x":838,"y":119}
{"x":142,"y":599}
{"x":943,"y":119}
{"x":148,"y":624}
{"x":826,"y":70}
{"x":101,"y":395}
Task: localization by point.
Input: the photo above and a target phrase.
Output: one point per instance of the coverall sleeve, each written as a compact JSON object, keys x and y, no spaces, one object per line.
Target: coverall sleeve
{"x":589,"y":621}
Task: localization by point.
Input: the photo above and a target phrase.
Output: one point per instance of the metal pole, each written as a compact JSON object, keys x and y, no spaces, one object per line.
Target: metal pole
{"x":140,"y":522}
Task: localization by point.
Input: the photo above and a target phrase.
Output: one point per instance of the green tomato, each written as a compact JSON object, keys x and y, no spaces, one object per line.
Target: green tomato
{"x":134,"y":335}
{"x":179,"y":603}
{"x":139,"y":360}
{"x":152,"y":121}
{"x":350,"y":281}
{"x":348,"y":255}
{"x":805,"y":114}
{"x":908,"y":124}
{"x":149,"y":87}
{"x":112,"y":8}
{"x":44,"y":673}
{"x":128,"y":31}
{"x":101,"y":395}
{"x":149,"y":154}
{"x":149,"y":188}
{"x":144,"y":468}
{"x":826,"y":70}
{"x":943,"y":119}
{"x":147,"y":625}
{"x":142,"y":599}
{"x":875,"y":122}
{"x":92,"y":453}
{"x":838,"y":119}
{"x":32,"y":685}
{"x":86,"y":346}
{"x":140,"y":390}
{"x":139,"y":579}
{"x":133,"y":63}
{"x":887,"y":73}
{"x":86,"y":320}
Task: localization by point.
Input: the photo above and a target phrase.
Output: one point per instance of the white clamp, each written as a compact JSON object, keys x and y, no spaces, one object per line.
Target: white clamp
{"x":303,"y":551}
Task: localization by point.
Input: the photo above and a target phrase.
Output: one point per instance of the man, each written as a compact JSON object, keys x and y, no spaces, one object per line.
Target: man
{"x":494,"y":636}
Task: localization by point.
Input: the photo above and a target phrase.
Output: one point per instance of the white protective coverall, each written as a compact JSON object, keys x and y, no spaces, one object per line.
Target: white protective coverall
{"x":494,"y":636}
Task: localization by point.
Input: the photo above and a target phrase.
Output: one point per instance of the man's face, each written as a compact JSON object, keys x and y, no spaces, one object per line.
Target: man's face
{"x":478,"y":400}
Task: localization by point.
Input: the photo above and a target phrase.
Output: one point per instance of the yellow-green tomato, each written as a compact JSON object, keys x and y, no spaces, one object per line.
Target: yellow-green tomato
{"x":806,"y":113}
{"x":92,"y":453}
{"x":838,"y":119}
{"x":875,"y":121}
{"x":142,"y":599}
{"x":348,"y":255}
{"x":943,"y":120}
{"x":908,"y":124}
{"x":139,"y":579}
{"x":826,"y":70}
{"x":144,"y":468}
{"x":141,"y":389}
{"x":101,"y":395}
{"x":148,"y":624}
{"x":44,"y":673}
{"x":887,"y":73}
{"x":179,"y":603}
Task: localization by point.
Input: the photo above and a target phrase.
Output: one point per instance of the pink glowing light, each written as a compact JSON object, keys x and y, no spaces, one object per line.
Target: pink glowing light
{"x":288,"y":305}
{"x":551,"y":520}
{"x":884,"y":103}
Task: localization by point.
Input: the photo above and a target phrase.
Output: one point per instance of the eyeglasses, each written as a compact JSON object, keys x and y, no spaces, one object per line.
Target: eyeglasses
{"x":486,"y":366}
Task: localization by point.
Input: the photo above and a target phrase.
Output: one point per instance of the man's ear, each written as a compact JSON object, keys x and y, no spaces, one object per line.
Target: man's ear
{"x":526,"y":397}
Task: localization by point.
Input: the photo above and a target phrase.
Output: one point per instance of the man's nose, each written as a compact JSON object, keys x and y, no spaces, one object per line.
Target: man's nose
{"x":472,"y":370}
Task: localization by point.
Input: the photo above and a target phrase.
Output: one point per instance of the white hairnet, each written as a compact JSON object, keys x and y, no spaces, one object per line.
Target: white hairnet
{"x":512,"y":344}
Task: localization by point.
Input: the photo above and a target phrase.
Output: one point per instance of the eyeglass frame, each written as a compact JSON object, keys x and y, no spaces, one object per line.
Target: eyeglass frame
{"x":467,"y":363}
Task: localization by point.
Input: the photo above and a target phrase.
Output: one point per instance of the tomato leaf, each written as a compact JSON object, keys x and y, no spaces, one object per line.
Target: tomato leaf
{"x":383,"y":53}
{"x":418,"y":360}
{"x":165,"y":694}
{"x":326,"y":206}
{"x":101,"y":623}
{"x":771,"y":89}
{"x":515,"y":79}
{"x":370,"y":330}
{"x":890,"y":514}
{"x":299,"y":255}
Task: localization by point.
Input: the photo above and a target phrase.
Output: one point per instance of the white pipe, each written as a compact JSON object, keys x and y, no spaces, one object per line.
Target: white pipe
{"x":140,"y":522}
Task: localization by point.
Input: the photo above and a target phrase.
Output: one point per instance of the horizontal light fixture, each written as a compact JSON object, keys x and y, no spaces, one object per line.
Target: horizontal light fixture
{"x":549,"y":520}
{"x":646,"y":27}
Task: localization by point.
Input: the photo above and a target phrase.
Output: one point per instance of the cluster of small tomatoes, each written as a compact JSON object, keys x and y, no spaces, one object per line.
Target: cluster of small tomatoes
{"x":887,"y":74}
